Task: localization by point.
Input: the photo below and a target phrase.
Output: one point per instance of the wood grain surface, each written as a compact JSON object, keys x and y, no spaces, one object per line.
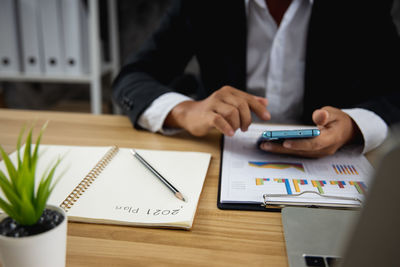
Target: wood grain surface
{"x":218,"y":237}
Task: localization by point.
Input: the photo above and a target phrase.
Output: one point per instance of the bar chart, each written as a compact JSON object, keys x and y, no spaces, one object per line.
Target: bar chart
{"x":327,"y":186}
{"x":343,"y":169}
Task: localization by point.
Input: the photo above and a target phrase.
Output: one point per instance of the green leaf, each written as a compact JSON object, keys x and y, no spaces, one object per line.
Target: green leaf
{"x":35,"y":153}
{"x":27,"y":212}
{"x":24,"y":179}
{"x":8,"y":191}
{"x":21,"y":133}
{"x":12,"y":172}
{"x":45,"y":188}
{"x":25,"y":185}
{"x":7,"y":208}
{"x":28,"y":147}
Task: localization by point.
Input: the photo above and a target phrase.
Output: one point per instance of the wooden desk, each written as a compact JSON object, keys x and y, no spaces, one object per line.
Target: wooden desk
{"x":218,"y":238}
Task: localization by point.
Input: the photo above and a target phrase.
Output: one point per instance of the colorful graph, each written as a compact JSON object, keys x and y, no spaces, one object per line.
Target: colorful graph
{"x":296,"y":183}
{"x":277,"y":165}
{"x":360,"y":186}
{"x":344,"y":169}
{"x":323,"y":186}
{"x":260,"y":181}
{"x":286,"y":181}
{"x":341,"y":184}
{"x":319,"y":184}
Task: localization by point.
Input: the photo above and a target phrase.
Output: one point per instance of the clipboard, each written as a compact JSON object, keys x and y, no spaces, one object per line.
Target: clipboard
{"x":254,"y":181}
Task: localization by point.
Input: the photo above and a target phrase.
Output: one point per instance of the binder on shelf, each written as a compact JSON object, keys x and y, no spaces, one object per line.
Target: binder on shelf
{"x":9,"y":52}
{"x":75,"y":26}
{"x":53,"y":43}
{"x":31,"y":39}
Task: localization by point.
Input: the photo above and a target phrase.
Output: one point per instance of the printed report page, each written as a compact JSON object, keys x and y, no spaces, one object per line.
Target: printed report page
{"x":248,"y":173}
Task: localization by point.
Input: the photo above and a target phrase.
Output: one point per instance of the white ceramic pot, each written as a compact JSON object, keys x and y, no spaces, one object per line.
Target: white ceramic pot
{"x":47,"y":249}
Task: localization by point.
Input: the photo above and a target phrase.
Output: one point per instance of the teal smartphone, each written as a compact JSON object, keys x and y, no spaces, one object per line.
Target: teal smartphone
{"x":281,"y":135}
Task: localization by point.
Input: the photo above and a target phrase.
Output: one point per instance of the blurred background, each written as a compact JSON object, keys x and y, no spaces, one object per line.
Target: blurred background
{"x":55,"y":68}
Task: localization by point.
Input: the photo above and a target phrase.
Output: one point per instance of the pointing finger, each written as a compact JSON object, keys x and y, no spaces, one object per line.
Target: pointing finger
{"x":217,"y":121}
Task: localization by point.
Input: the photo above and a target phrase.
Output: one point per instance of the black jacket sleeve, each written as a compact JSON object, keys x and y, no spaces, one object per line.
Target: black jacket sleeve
{"x":353,"y":58}
{"x":146,"y":74}
{"x":386,"y":102}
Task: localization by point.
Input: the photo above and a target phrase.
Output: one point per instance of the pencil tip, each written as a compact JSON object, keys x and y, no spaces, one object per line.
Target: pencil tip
{"x":180,"y":196}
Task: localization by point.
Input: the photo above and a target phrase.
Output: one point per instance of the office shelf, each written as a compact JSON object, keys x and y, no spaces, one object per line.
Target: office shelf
{"x":97,"y":68}
{"x":106,"y":68}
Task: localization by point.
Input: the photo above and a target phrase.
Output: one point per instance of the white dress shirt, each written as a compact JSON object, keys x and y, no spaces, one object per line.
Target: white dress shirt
{"x":276,"y":57}
{"x":275,"y":70}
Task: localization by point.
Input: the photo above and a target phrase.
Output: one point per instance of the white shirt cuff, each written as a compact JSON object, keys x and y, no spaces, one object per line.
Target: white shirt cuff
{"x":153,"y":117}
{"x":372,"y":127}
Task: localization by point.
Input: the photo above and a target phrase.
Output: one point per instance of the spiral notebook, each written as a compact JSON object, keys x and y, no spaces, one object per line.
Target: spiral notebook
{"x":108,"y":185}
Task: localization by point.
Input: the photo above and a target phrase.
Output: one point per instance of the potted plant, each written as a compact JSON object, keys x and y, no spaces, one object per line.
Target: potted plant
{"x":31,"y":233}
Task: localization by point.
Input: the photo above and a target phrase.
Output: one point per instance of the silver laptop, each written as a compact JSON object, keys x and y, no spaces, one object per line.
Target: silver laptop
{"x":370,"y":237}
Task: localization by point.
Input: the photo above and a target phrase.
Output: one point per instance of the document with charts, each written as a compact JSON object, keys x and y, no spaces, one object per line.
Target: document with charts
{"x":252,"y":176}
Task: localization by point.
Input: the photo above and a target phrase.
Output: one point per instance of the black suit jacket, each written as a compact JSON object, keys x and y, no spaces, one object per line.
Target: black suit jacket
{"x":352,"y":55}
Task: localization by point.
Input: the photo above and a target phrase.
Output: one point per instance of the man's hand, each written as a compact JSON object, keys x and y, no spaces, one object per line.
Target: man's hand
{"x":337,"y":129}
{"x":227,"y":110}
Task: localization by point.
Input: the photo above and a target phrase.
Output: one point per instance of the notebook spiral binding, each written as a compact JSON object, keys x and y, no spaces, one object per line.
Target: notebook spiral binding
{"x":89,"y":179}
